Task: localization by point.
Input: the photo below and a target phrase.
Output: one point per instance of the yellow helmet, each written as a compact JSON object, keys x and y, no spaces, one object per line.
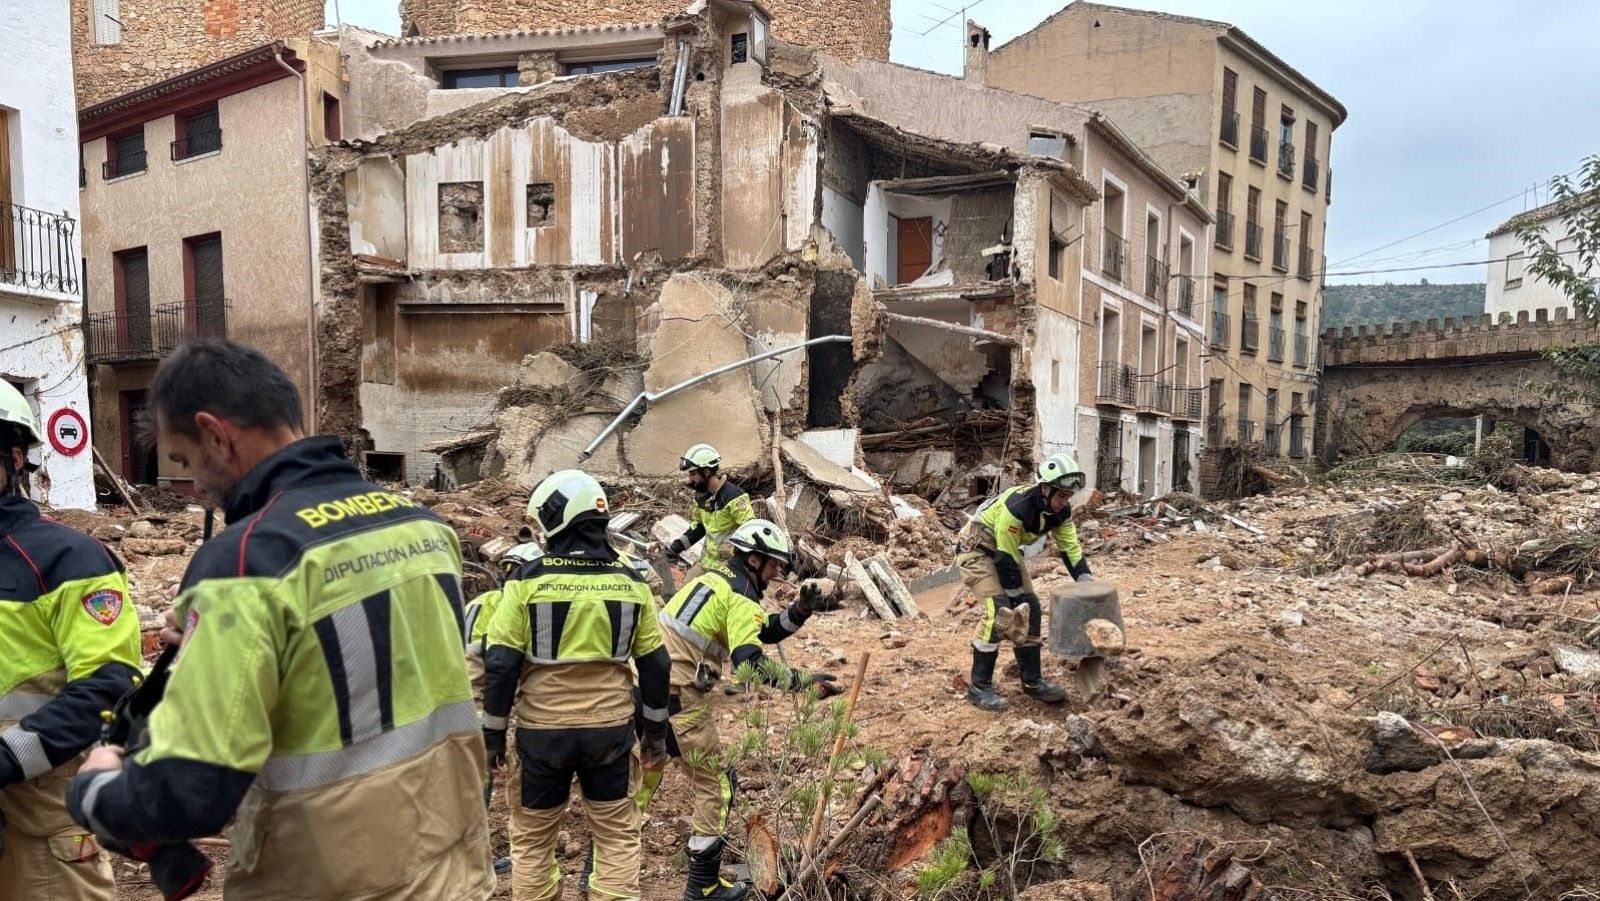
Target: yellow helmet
{"x":566,"y":497}
{"x":522,"y":553}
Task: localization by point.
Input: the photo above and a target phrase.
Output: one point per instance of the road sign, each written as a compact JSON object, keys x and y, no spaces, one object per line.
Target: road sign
{"x":69,"y":434}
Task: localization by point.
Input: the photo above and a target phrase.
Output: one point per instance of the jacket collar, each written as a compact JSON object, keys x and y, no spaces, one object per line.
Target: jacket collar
{"x":16,"y":512}
{"x":586,"y":539}
{"x":744,"y":581}
{"x":309,"y":461}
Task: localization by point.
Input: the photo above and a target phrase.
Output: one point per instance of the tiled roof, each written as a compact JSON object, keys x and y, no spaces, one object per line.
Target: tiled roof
{"x":1552,"y":210}
{"x":186,"y":80}
{"x":468,"y":38}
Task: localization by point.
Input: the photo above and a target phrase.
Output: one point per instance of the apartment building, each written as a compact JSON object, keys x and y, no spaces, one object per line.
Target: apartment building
{"x":196,"y":224}
{"x":41,"y":290}
{"x":1210,"y":103}
{"x":1509,"y":287}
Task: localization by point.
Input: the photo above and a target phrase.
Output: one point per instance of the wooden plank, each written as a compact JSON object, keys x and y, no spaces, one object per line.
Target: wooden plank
{"x":878,"y":566}
{"x":858,"y":574}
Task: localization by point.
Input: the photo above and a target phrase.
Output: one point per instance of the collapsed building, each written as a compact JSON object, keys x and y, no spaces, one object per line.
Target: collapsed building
{"x":528,"y":229}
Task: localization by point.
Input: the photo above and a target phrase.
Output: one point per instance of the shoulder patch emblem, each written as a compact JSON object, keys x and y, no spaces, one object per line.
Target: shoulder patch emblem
{"x":105,"y":606}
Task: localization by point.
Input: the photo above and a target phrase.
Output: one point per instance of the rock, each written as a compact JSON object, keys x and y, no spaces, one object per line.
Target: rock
{"x":1106,"y":636}
{"x":546,"y":374}
{"x":1588,"y":485}
{"x":154,"y":547}
{"x":1292,"y":618}
{"x":1397,"y":746}
{"x":1577,"y":661}
{"x":1309,"y":543}
{"x":142,"y":528}
{"x":1450,"y":497}
{"x":1231,"y":561}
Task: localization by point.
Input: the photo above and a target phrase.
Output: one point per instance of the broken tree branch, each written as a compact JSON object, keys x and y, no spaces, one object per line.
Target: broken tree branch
{"x":779,"y":493}
{"x":967,"y":330}
{"x":116,"y":482}
{"x":872,"y":803}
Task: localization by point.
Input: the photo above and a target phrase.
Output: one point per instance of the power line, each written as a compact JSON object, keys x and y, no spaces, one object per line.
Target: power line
{"x":961,"y":12}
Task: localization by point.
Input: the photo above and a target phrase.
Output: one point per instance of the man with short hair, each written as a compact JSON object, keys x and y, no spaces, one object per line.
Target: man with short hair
{"x":69,"y":648}
{"x":320,"y":701}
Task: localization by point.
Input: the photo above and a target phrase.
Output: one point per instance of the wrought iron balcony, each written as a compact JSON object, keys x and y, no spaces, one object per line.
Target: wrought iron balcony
{"x":1250,"y":335}
{"x":127,"y":164}
{"x":1280,"y":252}
{"x":197,"y":143}
{"x":1186,"y":295}
{"x":120,"y":337}
{"x":1220,"y":326}
{"x":1306,"y":253}
{"x":1116,"y":250}
{"x":1252,"y":241}
{"x":1116,"y":385}
{"x":1258,"y":145}
{"x":1224,"y":227}
{"x":1302,"y":349}
{"x":1155,"y":279}
{"x":1275,"y":344}
{"x":37,"y":250}
{"x":1327,"y":187}
{"x":1230,"y":127}
{"x":1155,"y":395}
{"x":1313,"y":171}
{"x":1187,"y":402}
{"x":1286,"y":159}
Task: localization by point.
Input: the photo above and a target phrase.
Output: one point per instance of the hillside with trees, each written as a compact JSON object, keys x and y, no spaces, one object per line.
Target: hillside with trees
{"x":1353,"y":305}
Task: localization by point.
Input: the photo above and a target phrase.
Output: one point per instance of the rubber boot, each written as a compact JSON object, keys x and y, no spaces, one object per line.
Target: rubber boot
{"x":1034,"y":684}
{"x":705,"y":877}
{"x":980,"y":688}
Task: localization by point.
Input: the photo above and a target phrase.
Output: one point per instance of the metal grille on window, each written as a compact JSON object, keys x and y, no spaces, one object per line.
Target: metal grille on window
{"x":136,"y":302}
{"x":202,"y":133}
{"x":107,"y":22}
{"x":1108,"y":458}
{"x":208,"y":292}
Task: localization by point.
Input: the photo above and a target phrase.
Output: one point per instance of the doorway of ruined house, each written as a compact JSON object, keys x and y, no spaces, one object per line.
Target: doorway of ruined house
{"x":1180,"y":460}
{"x":1147,"y":466}
{"x":914,"y":248}
{"x":1535,"y":450}
{"x":140,"y":462}
{"x":829,"y":367}
{"x":384,"y":467}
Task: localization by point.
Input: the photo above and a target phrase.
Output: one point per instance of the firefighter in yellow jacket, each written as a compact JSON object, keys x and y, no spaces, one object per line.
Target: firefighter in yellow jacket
{"x":69,"y":648}
{"x":716,"y":622}
{"x":992,"y":567}
{"x":320,"y":701}
{"x":571,"y":627}
{"x":720,"y":506}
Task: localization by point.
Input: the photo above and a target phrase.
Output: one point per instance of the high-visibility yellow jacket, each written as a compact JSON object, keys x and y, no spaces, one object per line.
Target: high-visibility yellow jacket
{"x":69,"y":648}
{"x":1015,"y":518}
{"x":716,"y":619}
{"x":320,"y":695}
{"x":714,"y":517}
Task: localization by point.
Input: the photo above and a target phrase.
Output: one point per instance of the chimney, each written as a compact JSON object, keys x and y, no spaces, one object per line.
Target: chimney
{"x":976,"y":69}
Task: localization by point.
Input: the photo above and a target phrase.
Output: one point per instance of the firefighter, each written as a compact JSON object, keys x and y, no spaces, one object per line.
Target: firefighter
{"x":69,"y":648}
{"x":720,"y":506}
{"x":481,"y":611}
{"x":320,"y":702}
{"x":571,"y":626}
{"x":989,"y":553}
{"x":715,"y":622}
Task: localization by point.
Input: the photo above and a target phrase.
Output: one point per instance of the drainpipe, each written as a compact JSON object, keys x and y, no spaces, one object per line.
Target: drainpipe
{"x":311,"y":294}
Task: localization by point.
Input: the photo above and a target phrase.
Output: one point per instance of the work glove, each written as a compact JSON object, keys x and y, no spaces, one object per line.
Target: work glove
{"x":676,"y":548}
{"x":811,"y":599}
{"x":494,"y":744}
{"x":653,"y":756}
{"x":1085,"y":577}
{"x":827,"y":684}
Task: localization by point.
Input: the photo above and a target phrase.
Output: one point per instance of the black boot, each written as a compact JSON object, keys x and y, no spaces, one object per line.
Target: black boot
{"x":588,"y":870}
{"x":980,"y":688}
{"x":705,"y":877}
{"x":1034,"y":684}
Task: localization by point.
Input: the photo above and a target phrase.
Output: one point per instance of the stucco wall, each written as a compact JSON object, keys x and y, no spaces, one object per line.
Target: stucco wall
{"x":41,"y":345}
{"x":1505,"y":294}
{"x":250,"y":192}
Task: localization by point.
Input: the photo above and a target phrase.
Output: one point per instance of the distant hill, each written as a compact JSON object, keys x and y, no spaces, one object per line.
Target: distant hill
{"x":1344,"y":305}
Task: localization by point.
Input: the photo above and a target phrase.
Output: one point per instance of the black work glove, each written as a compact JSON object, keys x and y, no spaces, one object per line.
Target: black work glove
{"x":811,"y":599}
{"x":827,"y":684}
{"x":494,"y":745}
{"x":676,"y":548}
{"x":653,"y":754}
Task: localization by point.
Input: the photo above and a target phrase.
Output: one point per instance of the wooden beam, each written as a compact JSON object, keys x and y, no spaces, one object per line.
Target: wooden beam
{"x":967,"y":330}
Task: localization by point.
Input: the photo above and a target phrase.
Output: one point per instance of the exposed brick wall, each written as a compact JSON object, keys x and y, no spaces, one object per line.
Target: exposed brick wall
{"x":162,"y":38}
{"x":844,"y":28}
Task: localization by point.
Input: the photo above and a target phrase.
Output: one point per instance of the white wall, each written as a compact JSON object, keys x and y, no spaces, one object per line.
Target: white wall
{"x":842,"y":217}
{"x":882,"y":244}
{"x":1503,"y":295}
{"x":1055,"y":384}
{"x":41,"y":344}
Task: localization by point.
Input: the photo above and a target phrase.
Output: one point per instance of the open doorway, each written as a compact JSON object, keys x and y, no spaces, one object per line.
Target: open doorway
{"x":140,"y":460}
{"x":1147,"y":466}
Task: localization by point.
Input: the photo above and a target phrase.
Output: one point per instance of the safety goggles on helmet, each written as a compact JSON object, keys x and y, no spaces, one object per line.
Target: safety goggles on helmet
{"x":1060,"y":471}
{"x":762,"y":537}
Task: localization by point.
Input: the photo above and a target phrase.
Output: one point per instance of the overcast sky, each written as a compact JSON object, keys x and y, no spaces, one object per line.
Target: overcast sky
{"x":1455,"y":105}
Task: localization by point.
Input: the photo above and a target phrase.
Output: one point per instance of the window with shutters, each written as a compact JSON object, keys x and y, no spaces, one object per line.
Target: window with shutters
{"x":205,"y":305}
{"x":124,"y":155}
{"x":105,"y":21}
{"x":131,"y":284}
{"x":1230,"y":108}
{"x":1258,"y":126}
{"x":198,"y":132}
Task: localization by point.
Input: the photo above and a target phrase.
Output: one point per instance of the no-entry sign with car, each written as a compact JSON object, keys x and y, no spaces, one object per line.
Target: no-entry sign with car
{"x":69,"y":434}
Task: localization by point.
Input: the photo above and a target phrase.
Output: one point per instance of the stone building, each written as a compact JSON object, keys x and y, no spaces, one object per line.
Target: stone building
{"x":41,"y":291}
{"x":1509,"y":288}
{"x":1207,"y":101}
{"x":847,"y":29}
{"x":122,"y":45}
{"x":196,"y":223}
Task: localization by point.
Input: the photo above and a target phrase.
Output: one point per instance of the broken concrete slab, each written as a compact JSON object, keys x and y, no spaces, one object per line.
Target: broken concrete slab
{"x":804,"y":508}
{"x":559,"y":445}
{"x":923,"y":463}
{"x":837,"y":445}
{"x":547,"y":372}
{"x":820,"y":469}
{"x":863,"y":580}
{"x":936,"y":579}
{"x":1584,"y":664}
{"x":668,"y":529}
{"x":878,"y":567}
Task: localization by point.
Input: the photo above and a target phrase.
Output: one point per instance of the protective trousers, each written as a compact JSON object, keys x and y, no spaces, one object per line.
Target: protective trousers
{"x":692,"y":741}
{"x":605,"y":761}
{"x":1002,"y":618}
{"x":47,"y":855}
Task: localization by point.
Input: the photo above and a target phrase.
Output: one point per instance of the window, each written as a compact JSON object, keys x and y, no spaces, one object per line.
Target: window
{"x":1515,"y":264}
{"x":204,"y":295}
{"x":1246,"y":427}
{"x":1219,"y":312}
{"x":105,"y":21}
{"x":1249,"y":326}
{"x":498,"y":77}
{"x":461,"y":217}
{"x":131,"y":286}
{"x":198,"y":132}
{"x":1286,"y":126}
{"x":1058,"y":257}
{"x":1055,"y":376}
{"x":1252,"y":223}
{"x":124,"y":154}
{"x":1230,"y":108}
{"x":541,"y":204}
{"x":595,"y":67}
{"x":1258,"y":126}
{"x":740,"y":48}
{"x":1047,"y":143}
{"x":332,"y":119}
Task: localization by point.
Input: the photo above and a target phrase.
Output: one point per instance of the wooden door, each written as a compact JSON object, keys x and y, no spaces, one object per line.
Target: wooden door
{"x":915,"y":242}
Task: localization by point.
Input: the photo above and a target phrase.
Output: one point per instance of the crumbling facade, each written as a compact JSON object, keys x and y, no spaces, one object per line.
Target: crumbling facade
{"x":120,"y":46}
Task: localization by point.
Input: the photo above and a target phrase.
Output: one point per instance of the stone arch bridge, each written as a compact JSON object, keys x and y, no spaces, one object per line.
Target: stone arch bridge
{"x":1379,"y":381}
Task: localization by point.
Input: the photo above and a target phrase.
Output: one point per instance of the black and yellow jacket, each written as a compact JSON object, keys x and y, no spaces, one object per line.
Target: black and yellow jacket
{"x":320,"y":696}
{"x":716,"y":619}
{"x":715,"y":517}
{"x":69,"y":648}
{"x":1015,"y":518}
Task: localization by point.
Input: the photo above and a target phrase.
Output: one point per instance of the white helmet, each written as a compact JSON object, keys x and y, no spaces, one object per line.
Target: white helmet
{"x":701,"y":456}
{"x":15,"y":412}
{"x":564,"y":498}
{"x":522,"y":553}
{"x":1060,"y":471}
{"x":760,"y":536}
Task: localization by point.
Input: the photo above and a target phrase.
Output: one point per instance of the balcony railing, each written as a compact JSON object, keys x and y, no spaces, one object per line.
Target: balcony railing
{"x":1230,"y":127}
{"x":37,"y":249}
{"x":1280,"y":252}
{"x":1186,"y":295}
{"x":115,"y":337}
{"x":1155,"y":395}
{"x":1155,"y":279}
{"x":127,"y":164}
{"x":1313,"y":171}
{"x":196,"y":143}
{"x":1116,"y":249}
{"x":1219,"y":328}
{"x":1258,"y":145}
{"x":1307,"y":252}
{"x":1275,"y":345}
{"x":1224,"y":229}
{"x":1187,"y":402}
{"x":1246,"y":431}
{"x":1286,"y":159}
{"x":1271,"y":437}
{"x":1297,"y":435}
{"x":1252,"y":241}
{"x":1302,"y":349}
{"x":1116,"y":385}
{"x":1214,"y":429}
{"x":1250,"y":335}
